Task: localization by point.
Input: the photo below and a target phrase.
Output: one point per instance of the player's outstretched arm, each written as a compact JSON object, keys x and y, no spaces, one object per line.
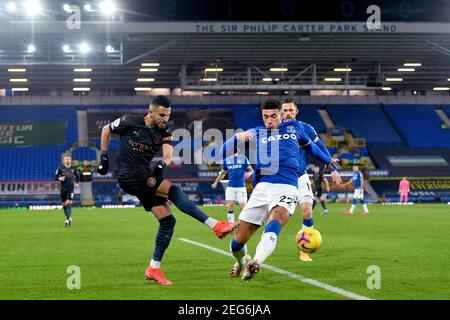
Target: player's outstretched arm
{"x":167,"y":150}
{"x":315,"y":151}
{"x":322,"y":146}
{"x":221,"y":175}
{"x":248,"y":173}
{"x":230,"y":146}
{"x":105,"y":138}
{"x":348,"y":182}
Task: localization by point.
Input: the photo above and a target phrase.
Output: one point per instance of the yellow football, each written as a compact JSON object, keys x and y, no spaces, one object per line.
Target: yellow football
{"x":308,"y":240}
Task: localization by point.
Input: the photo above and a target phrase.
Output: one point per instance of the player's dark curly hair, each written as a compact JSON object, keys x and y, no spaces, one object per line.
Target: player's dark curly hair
{"x":289,"y":100}
{"x":271,"y":104}
{"x":161,"y":101}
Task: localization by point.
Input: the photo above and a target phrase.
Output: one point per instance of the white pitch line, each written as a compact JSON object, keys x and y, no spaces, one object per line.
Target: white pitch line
{"x":289,"y":274}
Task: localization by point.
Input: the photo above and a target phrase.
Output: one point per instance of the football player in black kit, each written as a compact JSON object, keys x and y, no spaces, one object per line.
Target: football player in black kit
{"x":69,"y":178}
{"x":141,"y":137}
{"x":317,"y":186}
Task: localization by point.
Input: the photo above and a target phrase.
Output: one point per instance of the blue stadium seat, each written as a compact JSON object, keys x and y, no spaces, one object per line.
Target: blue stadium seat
{"x":420,"y":125}
{"x":30,"y":163}
{"x":84,"y":153}
{"x":43,"y":113}
{"x":366,"y":121}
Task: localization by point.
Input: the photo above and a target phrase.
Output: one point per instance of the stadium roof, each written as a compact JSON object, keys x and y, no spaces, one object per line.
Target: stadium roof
{"x":310,"y":52}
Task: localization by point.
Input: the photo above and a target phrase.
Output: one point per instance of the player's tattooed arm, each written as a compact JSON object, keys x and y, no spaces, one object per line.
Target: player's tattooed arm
{"x":167,"y":150}
{"x":105,"y":138}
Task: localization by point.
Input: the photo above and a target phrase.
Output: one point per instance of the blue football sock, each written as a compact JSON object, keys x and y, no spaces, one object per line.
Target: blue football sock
{"x":273,"y":226}
{"x":181,"y":201}
{"x":308,"y":223}
{"x":69,"y":212}
{"x":163,"y":237}
{"x":66,"y":211}
{"x":235,"y":246}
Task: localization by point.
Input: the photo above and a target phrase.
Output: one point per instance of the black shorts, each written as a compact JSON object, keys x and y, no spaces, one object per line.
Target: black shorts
{"x":66,"y":195}
{"x":318,"y":193}
{"x":144,"y":188}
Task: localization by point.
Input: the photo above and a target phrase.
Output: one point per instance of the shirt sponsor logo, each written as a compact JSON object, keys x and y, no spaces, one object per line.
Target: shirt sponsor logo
{"x":279,"y":137}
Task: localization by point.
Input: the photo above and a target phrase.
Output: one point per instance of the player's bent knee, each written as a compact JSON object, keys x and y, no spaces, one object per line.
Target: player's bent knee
{"x":307,"y":209}
{"x":168,"y":221}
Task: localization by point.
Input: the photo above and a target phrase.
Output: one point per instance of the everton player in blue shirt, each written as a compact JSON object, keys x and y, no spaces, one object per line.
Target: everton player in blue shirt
{"x":239,"y":169}
{"x":358,"y":183}
{"x":275,"y":195}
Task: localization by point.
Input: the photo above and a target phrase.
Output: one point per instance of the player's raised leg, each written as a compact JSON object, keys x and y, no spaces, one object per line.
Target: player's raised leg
{"x":180,"y":199}
{"x":164,"y":235}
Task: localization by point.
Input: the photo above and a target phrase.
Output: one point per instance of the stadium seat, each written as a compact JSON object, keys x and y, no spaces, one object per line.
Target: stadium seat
{"x":420,"y":125}
{"x":366,"y":121}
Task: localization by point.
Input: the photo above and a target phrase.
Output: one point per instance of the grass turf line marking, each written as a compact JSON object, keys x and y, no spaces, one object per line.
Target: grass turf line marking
{"x":289,"y":274}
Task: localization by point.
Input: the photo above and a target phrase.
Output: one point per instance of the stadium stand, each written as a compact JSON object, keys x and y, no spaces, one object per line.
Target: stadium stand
{"x":10,"y":114}
{"x":30,"y":163}
{"x":310,"y":115}
{"x":384,"y":130}
{"x":420,"y":125}
{"x":84,"y":153}
{"x":366,"y":121}
{"x":446,"y":109}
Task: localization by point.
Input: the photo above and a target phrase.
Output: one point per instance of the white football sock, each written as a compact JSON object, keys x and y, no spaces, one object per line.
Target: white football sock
{"x":231,"y":217}
{"x":155,"y":264}
{"x":365,"y":207}
{"x":210,"y":222}
{"x":266,"y":246}
{"x":352,"y":208}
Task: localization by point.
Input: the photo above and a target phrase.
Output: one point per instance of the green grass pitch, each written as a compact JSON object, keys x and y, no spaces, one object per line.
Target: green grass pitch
{"x":112,"y":247}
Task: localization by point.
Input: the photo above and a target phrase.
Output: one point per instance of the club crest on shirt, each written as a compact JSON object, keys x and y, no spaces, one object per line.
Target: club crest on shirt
{"x":291,"y":129}
{"x":151,"y":182}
